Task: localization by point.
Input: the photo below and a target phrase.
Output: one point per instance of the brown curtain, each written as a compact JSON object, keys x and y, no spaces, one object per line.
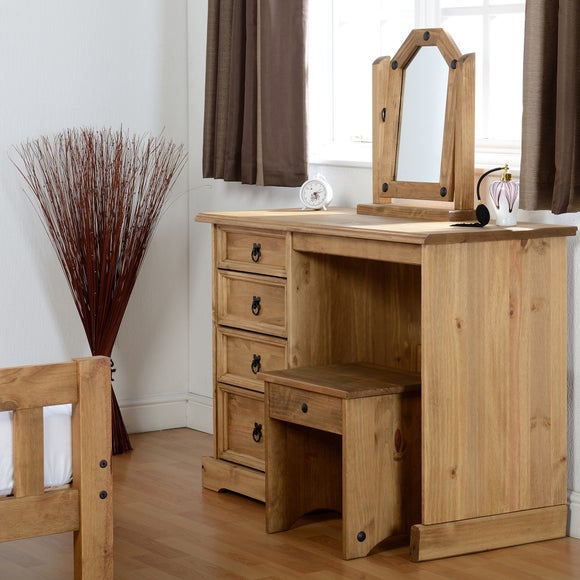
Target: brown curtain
{"x":255,"y":92}
{"x":550,"y":170}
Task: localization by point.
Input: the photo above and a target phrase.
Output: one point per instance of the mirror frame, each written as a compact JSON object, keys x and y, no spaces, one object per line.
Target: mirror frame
{"x":452,"y":197}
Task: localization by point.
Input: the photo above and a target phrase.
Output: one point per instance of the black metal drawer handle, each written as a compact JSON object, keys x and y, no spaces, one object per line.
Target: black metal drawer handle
{"x":256,"y":364}
{"x":257,"y":432}
{"x":256,"y":306}
{"x":304,"y":408}
{"x":256,"y":252}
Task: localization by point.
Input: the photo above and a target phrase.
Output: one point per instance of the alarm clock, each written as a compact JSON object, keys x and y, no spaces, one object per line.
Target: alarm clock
{"x":316,"y":193}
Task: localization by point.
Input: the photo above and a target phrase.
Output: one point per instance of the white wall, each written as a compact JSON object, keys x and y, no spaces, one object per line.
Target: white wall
{"x":104,"y":63}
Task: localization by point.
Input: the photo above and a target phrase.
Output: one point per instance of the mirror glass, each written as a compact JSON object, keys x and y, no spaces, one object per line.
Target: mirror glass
{"x":422,"y":117}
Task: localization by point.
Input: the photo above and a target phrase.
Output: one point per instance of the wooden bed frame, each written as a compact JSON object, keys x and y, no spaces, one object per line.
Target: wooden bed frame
{"x":85,"y":506}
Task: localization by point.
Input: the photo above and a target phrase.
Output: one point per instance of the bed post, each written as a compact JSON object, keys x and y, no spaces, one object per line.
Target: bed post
{"x":92,"y":474}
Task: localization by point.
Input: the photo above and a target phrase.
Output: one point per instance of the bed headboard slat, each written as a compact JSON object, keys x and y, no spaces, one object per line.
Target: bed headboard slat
{"x":28,"y":450}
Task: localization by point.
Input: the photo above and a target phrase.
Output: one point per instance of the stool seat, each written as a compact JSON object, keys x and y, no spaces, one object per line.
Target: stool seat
{"x":344,"y":438}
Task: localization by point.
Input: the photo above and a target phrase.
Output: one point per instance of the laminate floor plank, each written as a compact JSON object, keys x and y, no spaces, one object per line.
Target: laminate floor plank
{"x":167,"y":527}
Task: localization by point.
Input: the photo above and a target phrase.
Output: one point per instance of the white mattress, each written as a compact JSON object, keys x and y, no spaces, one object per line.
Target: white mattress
{"x":57,"y":448}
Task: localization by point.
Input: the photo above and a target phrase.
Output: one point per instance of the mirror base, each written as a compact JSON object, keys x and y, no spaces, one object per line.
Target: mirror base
{"x":416,"y":211}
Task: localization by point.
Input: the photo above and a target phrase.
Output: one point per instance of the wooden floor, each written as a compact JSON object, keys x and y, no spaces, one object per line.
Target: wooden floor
{"x":167,"y":527}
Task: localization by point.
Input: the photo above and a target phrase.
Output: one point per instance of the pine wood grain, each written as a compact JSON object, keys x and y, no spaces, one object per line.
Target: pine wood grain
{"x":347,"y":223}
{"x":28,"y":449}
{"x":381,"y":133}
{"x":478,"y":534}
{"x":236,"y":352}
{"x":167,"y":528}
{"x":500,"y":400}
{"x":241,"y":411}
{"x":469,"y":308}
{"x":235,"y":251}
{"x":85,"y":506}
{"x":370,"y":472}
{"x":237,"y":292}
{"x":458,"y":135}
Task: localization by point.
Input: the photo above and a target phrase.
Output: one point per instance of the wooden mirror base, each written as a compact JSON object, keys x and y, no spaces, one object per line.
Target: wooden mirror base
{"x":431,"y":211}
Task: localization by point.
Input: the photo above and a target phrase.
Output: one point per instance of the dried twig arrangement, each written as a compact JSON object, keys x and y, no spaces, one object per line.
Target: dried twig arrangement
{"x":100,"y":195}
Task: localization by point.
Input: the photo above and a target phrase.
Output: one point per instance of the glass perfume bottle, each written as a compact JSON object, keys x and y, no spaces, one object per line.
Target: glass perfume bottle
{"x":505,"y":197}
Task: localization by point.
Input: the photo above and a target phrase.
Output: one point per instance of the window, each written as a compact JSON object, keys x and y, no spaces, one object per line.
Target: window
{"x":345,"y":37}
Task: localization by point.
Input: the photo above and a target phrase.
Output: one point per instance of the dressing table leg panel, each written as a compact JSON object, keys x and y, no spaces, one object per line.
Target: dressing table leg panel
{"x":493,"y":378}
{"x":488,"y":533}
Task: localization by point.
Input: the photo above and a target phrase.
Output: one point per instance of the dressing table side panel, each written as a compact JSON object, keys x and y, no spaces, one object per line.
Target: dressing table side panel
{"x":493,"y":378}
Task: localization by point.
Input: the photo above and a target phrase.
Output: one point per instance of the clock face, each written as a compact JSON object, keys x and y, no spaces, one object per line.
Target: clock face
{"x":316,"y":193}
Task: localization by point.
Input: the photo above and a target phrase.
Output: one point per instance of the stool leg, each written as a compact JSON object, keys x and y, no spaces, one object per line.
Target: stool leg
{"x":278,"y":517}
{"x":381,"y":470}
{"x":369,"y":515}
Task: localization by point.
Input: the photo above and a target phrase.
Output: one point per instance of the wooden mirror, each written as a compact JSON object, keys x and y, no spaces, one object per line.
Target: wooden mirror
{"x":423,"y":130}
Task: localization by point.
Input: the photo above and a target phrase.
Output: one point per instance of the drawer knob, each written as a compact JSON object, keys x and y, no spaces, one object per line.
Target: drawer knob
{"x":256,"y":306}
{"x":257,"y":432}
{"x":256,"y":252}
{"x":304,"y":408}
{"x":256,"y":364}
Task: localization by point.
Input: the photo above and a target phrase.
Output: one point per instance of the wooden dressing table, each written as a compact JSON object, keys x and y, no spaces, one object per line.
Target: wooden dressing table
{"x":480,"y":313}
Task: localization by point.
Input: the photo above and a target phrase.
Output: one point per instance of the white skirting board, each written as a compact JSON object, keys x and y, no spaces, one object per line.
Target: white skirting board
{"x":574,"y":514}
{"x":168,"y":412}
{"x":200,"y":413}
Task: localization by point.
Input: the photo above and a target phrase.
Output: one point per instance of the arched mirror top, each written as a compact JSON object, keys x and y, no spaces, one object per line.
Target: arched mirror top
{"x":423,"y":129}
{"x":426,"y":37}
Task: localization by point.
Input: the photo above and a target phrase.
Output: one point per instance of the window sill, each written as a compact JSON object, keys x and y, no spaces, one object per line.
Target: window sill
{"x":336,"y":154}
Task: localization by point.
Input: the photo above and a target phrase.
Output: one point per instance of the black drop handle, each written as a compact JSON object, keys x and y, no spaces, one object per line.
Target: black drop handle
{"x":256,"y":306}
{"x":257,"y":432}
{"x":256,"y":252}
{"x":256,"y":364}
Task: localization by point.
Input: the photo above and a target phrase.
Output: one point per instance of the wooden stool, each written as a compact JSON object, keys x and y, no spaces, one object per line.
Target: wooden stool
{"x":344,"y":438}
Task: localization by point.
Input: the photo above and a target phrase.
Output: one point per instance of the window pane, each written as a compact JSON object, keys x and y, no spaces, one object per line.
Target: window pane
{"x":397,"y":20}
{"x":467,"y":32}
{"x":345,"y":38}
{"x":363,"y":31}
{"x":505,"y":76}
{"x":356,"y":40}
{"x":459,"y":3}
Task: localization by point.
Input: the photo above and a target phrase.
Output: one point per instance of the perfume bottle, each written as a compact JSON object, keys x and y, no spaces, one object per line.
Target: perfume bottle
{"x":505,"y":197}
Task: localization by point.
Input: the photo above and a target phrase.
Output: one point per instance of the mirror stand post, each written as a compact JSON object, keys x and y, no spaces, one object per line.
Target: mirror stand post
{"x":465,"y":140}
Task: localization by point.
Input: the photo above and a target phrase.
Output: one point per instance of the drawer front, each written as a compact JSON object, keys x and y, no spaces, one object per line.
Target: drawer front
{"x":242,"y":355}
{"x":240,"y":429}
{"x":252,"y":302}
{"x":250,"y":251}
{"x":305,"y":408}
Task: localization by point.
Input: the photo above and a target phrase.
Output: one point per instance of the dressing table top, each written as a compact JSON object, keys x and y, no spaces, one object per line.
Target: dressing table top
{"x":345,"y":222}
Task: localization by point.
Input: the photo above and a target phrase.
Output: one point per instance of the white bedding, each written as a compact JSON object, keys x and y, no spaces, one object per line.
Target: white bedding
{"x":57,"y":448}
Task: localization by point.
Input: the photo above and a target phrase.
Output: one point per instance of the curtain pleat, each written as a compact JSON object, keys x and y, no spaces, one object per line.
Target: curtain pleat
{"x":255,"y":94}
{"x":283,"y":84}
{"x":550,"y":170}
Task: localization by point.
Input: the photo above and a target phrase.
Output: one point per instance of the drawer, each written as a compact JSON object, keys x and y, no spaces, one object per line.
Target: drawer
{"x":251,"y":251}
{"x":240,"y":426}
{"x":304,"y":408}
{"x":251,"y":302}
{"x":242,"y":355}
